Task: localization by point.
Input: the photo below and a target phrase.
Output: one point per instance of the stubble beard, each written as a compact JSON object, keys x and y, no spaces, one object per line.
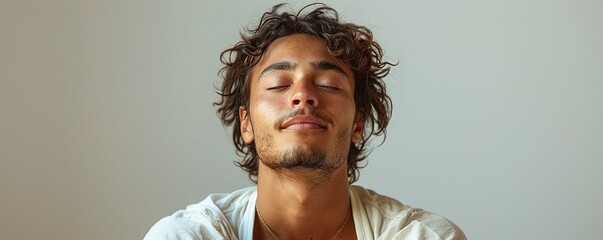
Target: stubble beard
{"x":304,"y":162}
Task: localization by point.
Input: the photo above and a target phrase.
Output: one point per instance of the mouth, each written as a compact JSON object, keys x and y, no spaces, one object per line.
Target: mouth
{"x":304,"y":122}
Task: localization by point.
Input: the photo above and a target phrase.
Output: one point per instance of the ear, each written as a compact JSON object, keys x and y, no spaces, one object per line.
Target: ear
{"x":246,"y":128}
{"x":358,"y":128}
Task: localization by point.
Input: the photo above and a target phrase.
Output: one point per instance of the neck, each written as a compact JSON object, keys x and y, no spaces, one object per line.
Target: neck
{"x":295,"y":207}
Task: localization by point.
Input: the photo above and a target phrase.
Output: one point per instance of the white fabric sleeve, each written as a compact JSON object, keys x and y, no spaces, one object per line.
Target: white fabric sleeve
{"x":179,"y":227}
{"x":417,"y":224}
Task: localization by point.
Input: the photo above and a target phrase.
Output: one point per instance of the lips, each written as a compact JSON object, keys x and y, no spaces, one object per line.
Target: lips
{"x":304,"y":122}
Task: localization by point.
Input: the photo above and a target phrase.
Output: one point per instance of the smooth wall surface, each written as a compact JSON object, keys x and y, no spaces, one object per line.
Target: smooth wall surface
{"x":106,"y":122}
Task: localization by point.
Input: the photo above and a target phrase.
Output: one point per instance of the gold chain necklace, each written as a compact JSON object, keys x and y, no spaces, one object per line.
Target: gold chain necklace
{"x":274,"y":235}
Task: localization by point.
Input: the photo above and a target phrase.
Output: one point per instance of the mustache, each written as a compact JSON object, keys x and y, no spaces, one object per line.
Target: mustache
{"x":312,"y":112}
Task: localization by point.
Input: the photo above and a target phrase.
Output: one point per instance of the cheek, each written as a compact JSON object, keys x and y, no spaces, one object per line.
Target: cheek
{"x":345,"y":110}
{"x":264,"y":112}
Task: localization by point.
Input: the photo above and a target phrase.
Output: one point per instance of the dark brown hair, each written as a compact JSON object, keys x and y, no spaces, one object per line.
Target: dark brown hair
{"x":352,"y":43}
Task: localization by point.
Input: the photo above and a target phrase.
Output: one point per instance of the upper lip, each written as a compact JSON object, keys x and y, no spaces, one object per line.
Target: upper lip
{"x":304,"y":119}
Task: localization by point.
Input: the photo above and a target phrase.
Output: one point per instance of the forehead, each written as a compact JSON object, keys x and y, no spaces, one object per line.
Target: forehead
{"x":300,"y":49}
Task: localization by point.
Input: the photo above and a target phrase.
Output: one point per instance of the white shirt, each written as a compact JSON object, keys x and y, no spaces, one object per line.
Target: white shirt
{"x":231,"y":216}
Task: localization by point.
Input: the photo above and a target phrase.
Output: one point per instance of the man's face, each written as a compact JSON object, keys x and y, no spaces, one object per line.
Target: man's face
{"x":301,"y":111}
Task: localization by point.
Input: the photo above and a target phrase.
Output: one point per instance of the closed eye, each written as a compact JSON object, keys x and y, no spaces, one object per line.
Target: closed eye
{"x":277,"y":87}
{"x":327,"y":87}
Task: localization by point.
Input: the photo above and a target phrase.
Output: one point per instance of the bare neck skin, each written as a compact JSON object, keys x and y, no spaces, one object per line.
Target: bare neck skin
{"x":298,"y":208}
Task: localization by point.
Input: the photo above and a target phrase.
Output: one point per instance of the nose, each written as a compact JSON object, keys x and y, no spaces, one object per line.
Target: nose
{"x":304,"y":96}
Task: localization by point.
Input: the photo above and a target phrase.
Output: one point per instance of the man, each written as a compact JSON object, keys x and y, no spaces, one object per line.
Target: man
{"x":304,"y":92}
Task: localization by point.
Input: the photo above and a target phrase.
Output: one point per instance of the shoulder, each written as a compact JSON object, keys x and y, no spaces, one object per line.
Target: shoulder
{"x":174,"y":228}
{"x":183,"y":225}
{"x":394,"y":220}
{"x":225,"y":202}
{"x":208,"y":219}
{"x":420,"y":224}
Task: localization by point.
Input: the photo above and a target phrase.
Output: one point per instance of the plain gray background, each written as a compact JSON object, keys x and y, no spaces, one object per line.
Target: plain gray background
{"x":106,"y":122}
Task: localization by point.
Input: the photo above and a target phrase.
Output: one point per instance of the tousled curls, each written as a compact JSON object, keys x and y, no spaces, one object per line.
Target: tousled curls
{"x":352,"y":43}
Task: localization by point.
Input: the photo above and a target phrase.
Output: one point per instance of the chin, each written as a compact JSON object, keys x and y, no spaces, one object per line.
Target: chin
{"x":297,"y":157}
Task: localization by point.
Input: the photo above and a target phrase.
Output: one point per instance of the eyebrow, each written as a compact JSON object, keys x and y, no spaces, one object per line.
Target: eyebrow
{"x":283,"y":65}
{"x":324,"y":65}
{"x":286,"y":65}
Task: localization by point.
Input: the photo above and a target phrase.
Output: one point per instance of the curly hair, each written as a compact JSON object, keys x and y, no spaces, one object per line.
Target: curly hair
{"x":352,"y":43}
